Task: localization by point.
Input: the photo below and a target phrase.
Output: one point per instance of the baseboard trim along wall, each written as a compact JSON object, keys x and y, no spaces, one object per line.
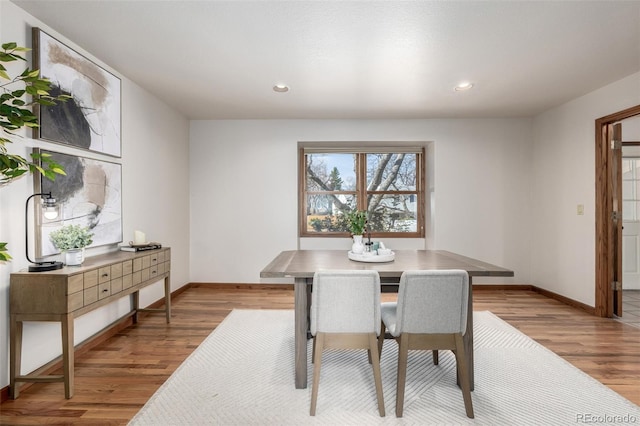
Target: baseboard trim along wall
{"x":579,"y":305}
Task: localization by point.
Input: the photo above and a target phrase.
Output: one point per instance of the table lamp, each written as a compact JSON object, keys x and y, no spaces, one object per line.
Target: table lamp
{"x":50,"y":212}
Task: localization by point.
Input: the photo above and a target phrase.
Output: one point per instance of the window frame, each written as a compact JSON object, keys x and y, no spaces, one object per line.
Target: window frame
{"x":635,"y":181}
{"x":361,"y":192}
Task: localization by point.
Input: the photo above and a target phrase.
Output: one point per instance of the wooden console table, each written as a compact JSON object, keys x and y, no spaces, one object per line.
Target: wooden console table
{"x":66,"y":293}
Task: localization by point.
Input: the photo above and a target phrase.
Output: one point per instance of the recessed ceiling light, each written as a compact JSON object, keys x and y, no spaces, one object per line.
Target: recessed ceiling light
{"x":465,"y":85}
{"x":280,"y":88}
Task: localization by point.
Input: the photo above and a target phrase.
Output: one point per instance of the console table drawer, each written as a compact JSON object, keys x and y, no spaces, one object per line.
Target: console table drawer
{"x":75,"y":284}
{"x":104,"y":274}
{"x":90,"y":278}
{"x":116,"y":285}
{"x":76,"y":301}
{"x":90,"y":295}
{"x":104,"y":290}
{"x":137,"y":264}
{"x":116,"y":270}
{"x":127,"y":281}
{"x":44,"y":295}
{"x":144,"y":274}
{"x":127,"y":267}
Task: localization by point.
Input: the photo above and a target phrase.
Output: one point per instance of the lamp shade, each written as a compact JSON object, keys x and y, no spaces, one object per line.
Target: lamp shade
{"x":49,"y":208}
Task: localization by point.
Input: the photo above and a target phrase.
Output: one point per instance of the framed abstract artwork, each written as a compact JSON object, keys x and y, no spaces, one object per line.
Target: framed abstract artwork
{"x":91,"y":119}
{"x":89,"y":195}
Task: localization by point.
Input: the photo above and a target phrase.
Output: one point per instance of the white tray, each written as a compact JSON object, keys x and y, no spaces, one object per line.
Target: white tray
{"x":372,"y":258}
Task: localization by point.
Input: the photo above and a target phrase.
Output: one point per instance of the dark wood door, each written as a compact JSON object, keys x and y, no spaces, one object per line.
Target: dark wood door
{"x":614,"y":135}
{"x":608,"y":231}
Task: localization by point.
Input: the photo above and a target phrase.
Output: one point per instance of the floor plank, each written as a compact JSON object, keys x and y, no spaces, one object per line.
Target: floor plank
{"x":116,"y":378}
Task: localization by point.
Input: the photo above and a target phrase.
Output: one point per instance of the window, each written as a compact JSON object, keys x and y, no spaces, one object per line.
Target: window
{"x":386,"y":182}
{"x":631,"y":188}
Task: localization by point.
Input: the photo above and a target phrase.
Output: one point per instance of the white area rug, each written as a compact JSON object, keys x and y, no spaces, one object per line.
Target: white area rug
{"x":243,"y":374}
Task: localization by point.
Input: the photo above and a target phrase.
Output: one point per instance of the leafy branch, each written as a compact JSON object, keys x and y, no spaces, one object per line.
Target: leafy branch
{"x":15,"y":114}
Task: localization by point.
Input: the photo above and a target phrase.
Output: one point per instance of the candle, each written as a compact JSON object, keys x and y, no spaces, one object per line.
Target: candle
{"x":139,"y":237}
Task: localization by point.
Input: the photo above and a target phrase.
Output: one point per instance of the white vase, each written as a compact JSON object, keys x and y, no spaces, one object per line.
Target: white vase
{"x":357,"y":247}
{"x":74,"y":257}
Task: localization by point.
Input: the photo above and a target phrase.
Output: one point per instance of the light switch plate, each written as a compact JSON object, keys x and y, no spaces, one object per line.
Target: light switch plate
{"x":580,"y":209}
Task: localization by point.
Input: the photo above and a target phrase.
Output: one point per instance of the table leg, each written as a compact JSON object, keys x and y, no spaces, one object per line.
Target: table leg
{"x":167,"y":298}
{"x":300,"y":298}
{"x":468,"y":337}
{"x":136,"y":306}
{"x":15,"y":355}
{"x":67,"y":354}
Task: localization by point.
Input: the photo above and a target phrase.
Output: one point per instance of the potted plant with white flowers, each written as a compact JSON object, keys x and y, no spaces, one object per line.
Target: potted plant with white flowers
{"x":71,"y":240}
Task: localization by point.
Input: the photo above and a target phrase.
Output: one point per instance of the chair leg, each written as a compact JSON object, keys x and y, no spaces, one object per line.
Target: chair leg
{"x":436,"y":357}
{"x":377,"y":376}
{"x":403,"y":355}
{"x":313,"y":351}
{"x":383,"y":331}
{"x":463,"y":374}
{"x":319,"y":345}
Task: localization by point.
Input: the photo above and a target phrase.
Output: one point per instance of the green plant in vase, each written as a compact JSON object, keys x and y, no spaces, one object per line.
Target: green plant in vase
{"x":72,"y":239}
{"x":357,"y":221}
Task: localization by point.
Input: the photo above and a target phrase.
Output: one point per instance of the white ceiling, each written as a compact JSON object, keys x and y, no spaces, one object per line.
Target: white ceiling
{"x":356,"y":59}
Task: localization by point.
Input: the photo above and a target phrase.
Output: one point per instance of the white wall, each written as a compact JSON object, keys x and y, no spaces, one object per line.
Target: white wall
{"x":563,"y":243}
{"x":155,"y":188}
{"x":244,"y":189}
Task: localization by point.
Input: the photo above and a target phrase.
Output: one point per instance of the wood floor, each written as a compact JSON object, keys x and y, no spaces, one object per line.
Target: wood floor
{"x":116,"y":378}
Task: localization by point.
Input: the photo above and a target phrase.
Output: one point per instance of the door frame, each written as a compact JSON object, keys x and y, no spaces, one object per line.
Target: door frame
{"x":607,"y":248}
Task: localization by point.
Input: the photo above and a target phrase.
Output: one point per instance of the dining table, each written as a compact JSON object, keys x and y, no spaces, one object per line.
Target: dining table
{"x":301,"y":265}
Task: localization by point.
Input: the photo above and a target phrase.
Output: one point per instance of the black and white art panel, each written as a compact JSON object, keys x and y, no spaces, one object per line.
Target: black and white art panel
{"x":89,"y":195}
{"x":91,"y":119}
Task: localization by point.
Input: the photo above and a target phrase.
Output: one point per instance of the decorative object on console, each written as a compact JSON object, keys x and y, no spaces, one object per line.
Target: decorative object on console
{"x":139,"y":238}
{"x":141,"y":247}
{"x":91,"y":119}
{"x":90,"y":195}
{"x":50,"y":212}
{"x":71,"y":240}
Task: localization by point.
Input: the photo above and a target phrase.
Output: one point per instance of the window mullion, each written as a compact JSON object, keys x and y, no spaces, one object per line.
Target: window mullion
{"x":361,"y":184}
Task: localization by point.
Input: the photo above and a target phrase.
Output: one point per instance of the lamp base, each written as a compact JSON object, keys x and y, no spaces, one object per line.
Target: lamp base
{"x":45,"y":266}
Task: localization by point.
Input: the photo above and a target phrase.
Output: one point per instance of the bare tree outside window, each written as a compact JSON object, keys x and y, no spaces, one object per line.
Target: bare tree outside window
{"x":388,"y":185}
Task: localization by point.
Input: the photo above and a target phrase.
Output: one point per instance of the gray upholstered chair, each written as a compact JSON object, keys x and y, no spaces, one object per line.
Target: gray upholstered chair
{"x":430,"y":314}
{"x":345,"y":314}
